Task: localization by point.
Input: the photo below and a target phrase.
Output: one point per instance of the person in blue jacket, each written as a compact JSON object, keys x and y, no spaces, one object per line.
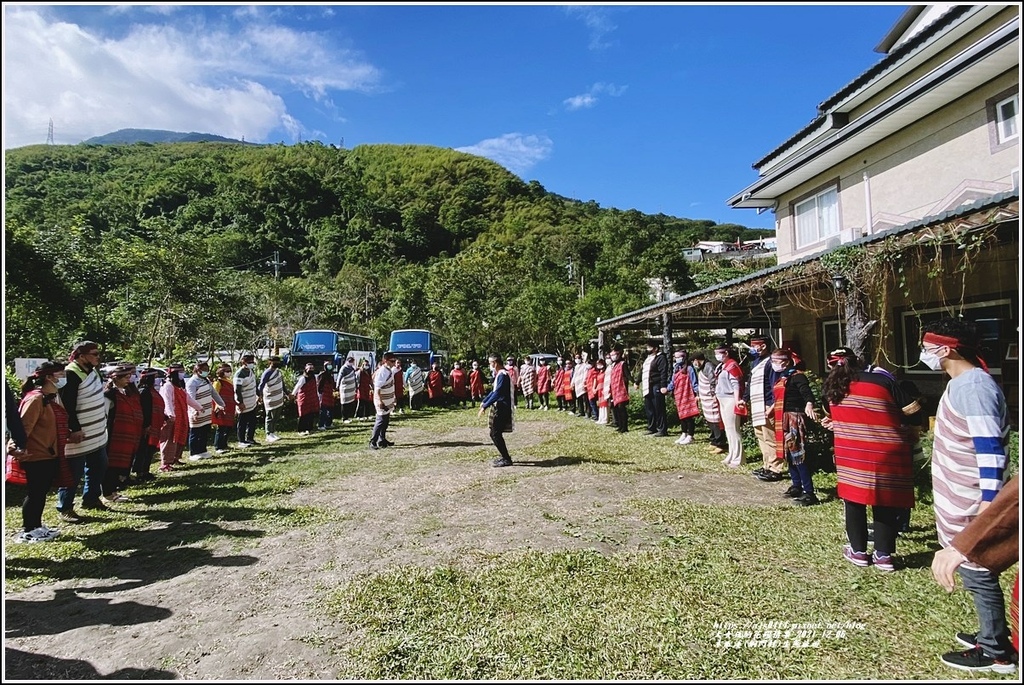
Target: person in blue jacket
{"x":500,"y":419}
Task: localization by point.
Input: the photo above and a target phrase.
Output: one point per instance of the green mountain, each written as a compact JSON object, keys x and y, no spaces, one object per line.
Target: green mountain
{"x":186,"y":247}
{"x":127,"y":136}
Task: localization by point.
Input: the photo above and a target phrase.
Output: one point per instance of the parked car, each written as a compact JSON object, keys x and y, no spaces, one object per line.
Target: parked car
{"x":538,"y":358}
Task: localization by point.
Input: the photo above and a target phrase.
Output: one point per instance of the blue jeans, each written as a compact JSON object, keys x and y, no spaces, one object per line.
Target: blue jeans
{"x":326,"y":417}
{"x":93,"y":466}
{"x":993,"y":635}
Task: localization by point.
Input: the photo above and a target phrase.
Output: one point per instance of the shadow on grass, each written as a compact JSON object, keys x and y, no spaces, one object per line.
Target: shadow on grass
{"x":567,"y":461}
{"x":19,"y":665}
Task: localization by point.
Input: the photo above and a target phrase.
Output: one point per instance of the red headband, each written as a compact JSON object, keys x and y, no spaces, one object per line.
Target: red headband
{"x":936,"y":339}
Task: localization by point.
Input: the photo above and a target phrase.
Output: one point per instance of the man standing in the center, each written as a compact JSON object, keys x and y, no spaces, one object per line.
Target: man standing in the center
{"x":383,"y":401}
{"x":654,"y":387}
{"x":760,"y":398}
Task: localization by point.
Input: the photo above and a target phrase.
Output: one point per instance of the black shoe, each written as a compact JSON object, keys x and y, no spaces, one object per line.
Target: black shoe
{"x":806,"y":500}
{"x":385,"y":443}
{"x":793,"y":491}
{"x":374,"y":446}
{"x":769,"y":476}
{"x":98,"y":504}
{"x":759,"y":471}
{"x":649,"y":432}
{"x":501,"y":462}
{"x":661,"y":435}
{"x":620,"y":430}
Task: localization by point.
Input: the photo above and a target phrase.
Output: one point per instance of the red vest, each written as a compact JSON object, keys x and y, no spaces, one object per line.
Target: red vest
{"x":620,"y":392}
{"x":476,"y":383}
{"x":435,"y":384}
{"x":308,"y":397}
{"x":543,"y":379}
{"x":227,"y":394}
{"x":326,"y":386}
{"x":156,"y":420}
{"x":684,"y":394}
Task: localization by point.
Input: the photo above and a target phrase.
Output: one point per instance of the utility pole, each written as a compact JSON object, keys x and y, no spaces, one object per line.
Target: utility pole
{"x":277,"y":264}
{"x":49,"y":134}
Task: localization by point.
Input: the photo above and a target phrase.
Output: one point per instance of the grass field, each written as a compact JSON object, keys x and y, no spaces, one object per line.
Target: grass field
{"x":725,"y":591}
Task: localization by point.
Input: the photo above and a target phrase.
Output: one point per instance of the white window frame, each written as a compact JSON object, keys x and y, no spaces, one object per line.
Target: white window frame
{"x":1003,"y":121}
{"x":818,"y":207}
{"x":826,"y":326}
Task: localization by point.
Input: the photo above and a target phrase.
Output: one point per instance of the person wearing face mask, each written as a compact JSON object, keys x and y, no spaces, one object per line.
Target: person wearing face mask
{"x":153,"y":418}
{"x":618,"y":389}
{"x":86,"y":450}
{"x":125,"y":428}
{"x":683,"y":388}
{"x":568,"y":394}
{"x":476,"y":383}
{"x":793,"y":407}
{"x":729,"y":393}
{"x":709,"y":403}
{"x":528,"y":381}
{"x":416,"y":381}
{"x":579,"y":385}
{"x":326,"y":388}
{"x":969,"y":469}
{"x":383,"y":401}
{"x":39,"y":458}
{"x":558,"y":384}
{"x":543,"y":386}
{"x":460,"y":385}
{"x":246,"y":399}
{"x":223,"y":419}
{"x":347,"y":381}
{"x":177,"y":403}
{"x":271,"y":388}
{"x":595,"y":384}
{"x":307,"y":399}
{"x":200,"y":389}
{"x":759,"y":397}
{"x":501,"y":417}
{"x":653,"y":386}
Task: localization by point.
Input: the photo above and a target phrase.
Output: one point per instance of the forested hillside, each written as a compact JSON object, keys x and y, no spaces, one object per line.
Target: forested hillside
{"x":170,"y":249}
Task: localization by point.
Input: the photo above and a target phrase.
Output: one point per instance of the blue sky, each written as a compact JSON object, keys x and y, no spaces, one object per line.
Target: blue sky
{"x":659,"y":108}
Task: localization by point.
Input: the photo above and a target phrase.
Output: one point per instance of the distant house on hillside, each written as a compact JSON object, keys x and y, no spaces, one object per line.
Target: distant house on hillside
{"x":898,"y":203}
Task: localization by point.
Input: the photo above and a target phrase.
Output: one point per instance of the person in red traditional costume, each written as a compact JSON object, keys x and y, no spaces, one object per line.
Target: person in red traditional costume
{"x":543,"y":385}
{"x":559,"y":385}
{"x":223,"y":417}
{"x":124,"y":428}
{"x":595,"y":383}
{"x":307,"y":399}
{"x":476,"y":383}
{"x":460,"y":385}
{"x":568,"y":396}
{"x":177,"y":402}
{"x":683,"y":387}
{"x":435,"y":385}
{"x":364,"y":391}
{"x":619,"y":389}
{"x":871,"y":415}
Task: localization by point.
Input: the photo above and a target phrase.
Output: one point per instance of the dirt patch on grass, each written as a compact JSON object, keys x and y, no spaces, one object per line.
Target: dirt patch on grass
{"x":250,"y":609}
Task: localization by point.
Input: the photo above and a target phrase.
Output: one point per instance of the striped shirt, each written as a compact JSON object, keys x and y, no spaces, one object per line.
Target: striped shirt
{"x":414,"y":379}
{"x":384,"y":389}
{"x":90,"y":412}
{"x":272,"y":386}
{"x":347,"y":383}
{"x":969,"y":452}
{"x":245,"y":389}
{"x":201,"y":390}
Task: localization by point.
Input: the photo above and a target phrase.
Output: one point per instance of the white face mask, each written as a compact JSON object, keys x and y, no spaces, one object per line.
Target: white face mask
{"x":779,"y":366}
{"x":931,"y":360}
{"x":678,"y":360}
{"x":60,"y":382}
{"x":719,"y":356}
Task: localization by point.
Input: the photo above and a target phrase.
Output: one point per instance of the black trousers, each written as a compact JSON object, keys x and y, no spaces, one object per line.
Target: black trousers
{"x":247,"y":426}
{"x":619,"y":411}
{"x":501,"y":419}
{"x":886,"y":525}
{"x":40,"y":475}
{"x":654,"y":407}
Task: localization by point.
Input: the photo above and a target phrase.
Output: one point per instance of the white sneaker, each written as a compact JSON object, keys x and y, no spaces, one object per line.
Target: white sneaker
{"x":220,"y":451}
{"x":272,"y":437}
{"x":52,"y":532}
{"x":38,"y":535}
{"x":195,"y":457}
{"x":684,"y":439}
{"x":347,"y":421}
{"x":303,"y":433}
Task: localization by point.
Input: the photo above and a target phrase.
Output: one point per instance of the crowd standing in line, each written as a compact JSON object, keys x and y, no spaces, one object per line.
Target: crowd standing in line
{"x":71,"y":429}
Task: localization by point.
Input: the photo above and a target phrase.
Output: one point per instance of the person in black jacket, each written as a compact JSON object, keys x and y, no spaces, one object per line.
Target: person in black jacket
{"x":654,"y":377}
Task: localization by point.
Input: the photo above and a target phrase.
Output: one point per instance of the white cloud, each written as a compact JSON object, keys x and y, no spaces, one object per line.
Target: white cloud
{"x":597,"y":20}
{"x":517,"y":152}
{"x":589,"y":99}
{"x":185,"y":77}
